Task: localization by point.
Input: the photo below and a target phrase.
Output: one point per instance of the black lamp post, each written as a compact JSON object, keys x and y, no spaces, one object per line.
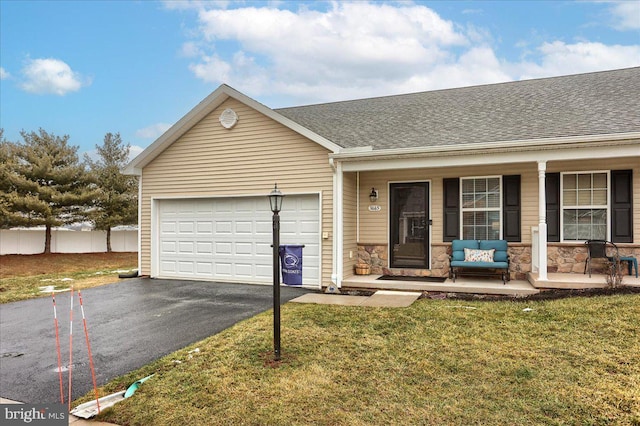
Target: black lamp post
{"x":275,"y":200}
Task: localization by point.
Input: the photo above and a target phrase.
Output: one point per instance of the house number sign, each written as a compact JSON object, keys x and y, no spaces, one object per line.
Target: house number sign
{"x":375,"y":208}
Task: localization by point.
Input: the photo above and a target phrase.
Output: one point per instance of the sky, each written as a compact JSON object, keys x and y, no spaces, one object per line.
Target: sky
{"x":86,"y":68}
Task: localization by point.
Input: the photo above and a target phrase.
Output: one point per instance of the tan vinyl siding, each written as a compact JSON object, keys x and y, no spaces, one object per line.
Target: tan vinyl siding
{"x":247,"y":160}
{"x":350,"y":248}
{"x":374,"y":225}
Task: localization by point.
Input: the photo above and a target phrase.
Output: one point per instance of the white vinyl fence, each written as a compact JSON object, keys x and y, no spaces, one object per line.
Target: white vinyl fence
{"x":31,"y":241}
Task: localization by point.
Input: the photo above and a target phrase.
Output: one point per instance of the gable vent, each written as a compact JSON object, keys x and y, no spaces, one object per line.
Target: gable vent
{"x":228,"y":118}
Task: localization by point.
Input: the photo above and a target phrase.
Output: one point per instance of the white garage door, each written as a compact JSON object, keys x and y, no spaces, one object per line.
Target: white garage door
{"x":229,"y":239}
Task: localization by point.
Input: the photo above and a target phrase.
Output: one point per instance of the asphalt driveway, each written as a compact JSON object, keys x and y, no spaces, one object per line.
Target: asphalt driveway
{"x":130,"y":324}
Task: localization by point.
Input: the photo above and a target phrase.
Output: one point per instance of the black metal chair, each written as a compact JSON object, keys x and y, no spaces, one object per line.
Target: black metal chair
{"x":600,"y":249}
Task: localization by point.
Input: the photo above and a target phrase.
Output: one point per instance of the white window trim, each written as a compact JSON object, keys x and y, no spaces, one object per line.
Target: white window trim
{"x":472,"y":209}
{"x":598,"y":206}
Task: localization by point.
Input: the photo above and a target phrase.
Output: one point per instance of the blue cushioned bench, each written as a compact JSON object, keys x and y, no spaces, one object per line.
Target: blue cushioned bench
{"x":481,"y":256}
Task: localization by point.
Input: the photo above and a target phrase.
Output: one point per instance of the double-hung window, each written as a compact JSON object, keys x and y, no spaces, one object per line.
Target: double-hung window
{"x":585,"y":206}
{"x":481,"y":208}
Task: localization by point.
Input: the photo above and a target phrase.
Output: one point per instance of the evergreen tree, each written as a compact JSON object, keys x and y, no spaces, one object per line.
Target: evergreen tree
{"x":7,"y":168}
{"x":117,"y":200}
{"x":47,"y":185}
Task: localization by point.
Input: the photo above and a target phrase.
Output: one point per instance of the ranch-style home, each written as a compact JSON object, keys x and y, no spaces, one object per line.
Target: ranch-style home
{"x":391,"y":181}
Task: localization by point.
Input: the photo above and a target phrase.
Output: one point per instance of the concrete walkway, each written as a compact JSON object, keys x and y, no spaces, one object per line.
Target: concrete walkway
{"x":380,"y":299}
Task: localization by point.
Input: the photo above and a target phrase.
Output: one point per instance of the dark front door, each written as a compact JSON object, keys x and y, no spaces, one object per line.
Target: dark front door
{"x":409,"y":225}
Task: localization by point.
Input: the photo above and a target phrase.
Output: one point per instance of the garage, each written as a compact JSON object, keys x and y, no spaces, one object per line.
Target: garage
{"x":229,"y":239}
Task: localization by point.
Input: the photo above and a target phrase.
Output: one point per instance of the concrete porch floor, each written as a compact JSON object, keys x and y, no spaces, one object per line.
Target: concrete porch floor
{"x":577,"y":281}
{"x":481,"y":285}
{"x":474,"y":285}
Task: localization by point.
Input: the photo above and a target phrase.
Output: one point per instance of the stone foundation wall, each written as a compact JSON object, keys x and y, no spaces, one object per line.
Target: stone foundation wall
{"x":571,"y":259}
{"x":374,"y":255}
{"x":562,"y":258}
{"x":377,"y":257}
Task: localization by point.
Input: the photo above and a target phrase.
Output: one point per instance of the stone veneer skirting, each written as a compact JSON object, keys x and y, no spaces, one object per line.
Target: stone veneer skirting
{"x":561,"y":257}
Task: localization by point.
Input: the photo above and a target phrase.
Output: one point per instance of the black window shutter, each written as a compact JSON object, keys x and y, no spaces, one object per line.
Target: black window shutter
{"x":621,"y":206}
{"x":451,"y":211}
{"x":552,"y":195}
{"x":511,"y":208}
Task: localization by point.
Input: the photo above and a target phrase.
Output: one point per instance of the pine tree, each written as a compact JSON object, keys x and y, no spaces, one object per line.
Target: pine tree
{"x":47,"y":184}
{"x":7,"y":168}
{"x":117,"y":200}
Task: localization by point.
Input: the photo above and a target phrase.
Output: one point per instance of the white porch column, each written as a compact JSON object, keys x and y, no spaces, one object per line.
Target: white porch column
{"x":542,"y":225}
{"x":338,"y":228}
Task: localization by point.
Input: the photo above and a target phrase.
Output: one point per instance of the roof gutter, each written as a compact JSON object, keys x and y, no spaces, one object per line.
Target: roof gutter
{"x":524,"y":145}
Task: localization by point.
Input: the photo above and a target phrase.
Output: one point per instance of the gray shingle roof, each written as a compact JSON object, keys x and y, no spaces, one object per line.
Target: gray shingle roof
{"x":598,"y":103}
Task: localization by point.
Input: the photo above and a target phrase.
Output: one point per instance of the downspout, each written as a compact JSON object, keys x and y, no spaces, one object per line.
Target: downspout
{"x":357,"y":206}
{"x":542,"y":225}
{"x":140,"y":224}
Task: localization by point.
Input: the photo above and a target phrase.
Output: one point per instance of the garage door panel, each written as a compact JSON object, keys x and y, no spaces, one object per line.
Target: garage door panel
{"x":204,"y":207}
{"x":244,"y":248}
{"x":168,"y":266}
{"x":264,"y":227}
{"x":223,"y":248}
{"x":204,"y":227}
{"x":244,"y":270}
{"x":309,"y":227}
{"x":245,"y":205}
{"x":223,"y":269}
{"x":186,"y":247}
{"x":311,"y":250}
{"x":204,"y":268}
{"x":230,"y":238}
{"x":264,"y":271}
{"x":186,"y":227}
{"x":222,"y":208}
{"x":186,"y":267}
{"x":224,"y":227}
{"x":244,"y":227}
{"x":169,"y":247}
{"x":204,"y":247}
{"x":169,"y":227}
{"x":186,"y":207}
{"x":264,"y":249}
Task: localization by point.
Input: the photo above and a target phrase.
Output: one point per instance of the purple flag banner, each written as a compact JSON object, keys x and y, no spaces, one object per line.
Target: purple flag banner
{"x":291,"y":260}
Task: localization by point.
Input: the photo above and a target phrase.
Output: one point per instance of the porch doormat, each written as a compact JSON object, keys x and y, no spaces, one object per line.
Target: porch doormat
{"x":405,"y":278}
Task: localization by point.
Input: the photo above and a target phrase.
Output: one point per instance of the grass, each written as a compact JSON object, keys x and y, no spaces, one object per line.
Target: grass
{"x":573,"y":361}
{"x":22,"y":276}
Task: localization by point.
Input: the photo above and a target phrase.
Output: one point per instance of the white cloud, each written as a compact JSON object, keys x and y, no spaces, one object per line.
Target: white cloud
{"x":559,"y":58}
{"x":190,"y":49}
{"x":4,"y":74}
{"x":212,"y":69}
{"x":313,"y":55}
{"x":300,"y":51}
{"x":51,"y":76}
{"x":626,"y":15}
{"x":153,"y":131}
{"x":134,"y":151}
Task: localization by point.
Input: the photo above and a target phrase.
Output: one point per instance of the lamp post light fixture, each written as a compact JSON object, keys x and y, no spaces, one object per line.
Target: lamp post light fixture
{"x":275,"y":200}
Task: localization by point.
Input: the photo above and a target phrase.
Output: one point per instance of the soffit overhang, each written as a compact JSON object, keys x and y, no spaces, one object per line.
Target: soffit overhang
{"x":620,"y":145}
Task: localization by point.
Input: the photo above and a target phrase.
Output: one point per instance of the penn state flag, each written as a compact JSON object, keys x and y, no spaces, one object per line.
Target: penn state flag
{"x":291,"y":260}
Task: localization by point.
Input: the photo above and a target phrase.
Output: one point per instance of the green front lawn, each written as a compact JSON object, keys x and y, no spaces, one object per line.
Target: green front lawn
{"x":572,"y":361}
